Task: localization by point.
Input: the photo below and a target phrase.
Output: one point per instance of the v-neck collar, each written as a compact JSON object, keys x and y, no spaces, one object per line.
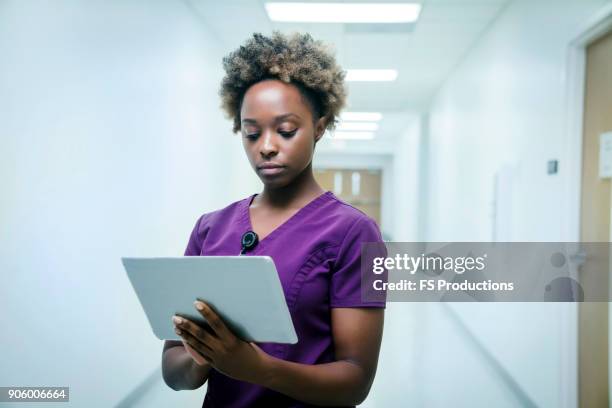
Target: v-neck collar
{"x":246,"y":217}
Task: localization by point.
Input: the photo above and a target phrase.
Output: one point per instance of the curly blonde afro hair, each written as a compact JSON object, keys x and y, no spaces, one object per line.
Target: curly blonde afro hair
{"x":296,"y":59}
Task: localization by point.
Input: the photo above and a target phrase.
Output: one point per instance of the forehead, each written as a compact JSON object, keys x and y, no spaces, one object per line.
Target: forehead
{"x":272,"y":97}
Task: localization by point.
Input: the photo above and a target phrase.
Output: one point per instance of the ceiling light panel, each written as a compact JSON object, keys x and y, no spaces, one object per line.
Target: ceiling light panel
{"x":358,"y":126}
{"x":361,"y":116}
{"x":345,"y":135}
{"x":343,"y":12}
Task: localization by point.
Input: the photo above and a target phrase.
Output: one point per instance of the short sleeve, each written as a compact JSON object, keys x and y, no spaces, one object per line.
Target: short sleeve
{"x":348,"y":282}
{"x":194,"y":246}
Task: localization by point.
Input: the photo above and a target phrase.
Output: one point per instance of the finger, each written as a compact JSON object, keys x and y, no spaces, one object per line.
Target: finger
{"x":200,"y":323}
{"x":196,"y":355}
{"x":200,"y":334}
{"x":199,"y":357}
{"x":198,"y":346}
{"x":194,"y":328}
{"x":213,"y":319}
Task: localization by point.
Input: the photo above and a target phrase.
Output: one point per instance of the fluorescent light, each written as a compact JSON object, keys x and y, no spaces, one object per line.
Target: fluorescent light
{"x":357,"y":126}
{"x":343,"y":135}
{"x":371,"y":75}
{"x":343,"y":12}
{"x":361,"y":116}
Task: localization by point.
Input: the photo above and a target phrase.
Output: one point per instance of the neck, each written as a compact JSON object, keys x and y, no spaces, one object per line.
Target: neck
{"x":298,"y":193}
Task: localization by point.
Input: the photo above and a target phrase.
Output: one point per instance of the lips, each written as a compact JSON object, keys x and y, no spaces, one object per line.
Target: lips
{"x":269,"y":165}
{"x":270,"y":169}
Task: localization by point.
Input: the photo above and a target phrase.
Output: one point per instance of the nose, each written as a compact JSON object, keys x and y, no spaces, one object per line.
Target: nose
{"x":268,"y":146}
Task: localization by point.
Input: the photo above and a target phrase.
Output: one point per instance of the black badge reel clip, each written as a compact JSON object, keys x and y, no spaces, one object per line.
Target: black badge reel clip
{"x":248,"y":241}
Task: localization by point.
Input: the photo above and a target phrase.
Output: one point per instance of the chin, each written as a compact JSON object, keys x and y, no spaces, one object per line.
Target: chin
{"x":279,"y":182}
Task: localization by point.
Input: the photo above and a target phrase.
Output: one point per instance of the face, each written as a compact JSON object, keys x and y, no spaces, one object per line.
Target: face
{"x":278,"y":133}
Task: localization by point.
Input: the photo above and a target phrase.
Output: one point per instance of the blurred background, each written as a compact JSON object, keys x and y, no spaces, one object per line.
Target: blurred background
{"x":471,"y":120}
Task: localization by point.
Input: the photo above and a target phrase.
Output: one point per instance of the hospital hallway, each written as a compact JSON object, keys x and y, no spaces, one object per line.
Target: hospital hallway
{"x":478,"y":121}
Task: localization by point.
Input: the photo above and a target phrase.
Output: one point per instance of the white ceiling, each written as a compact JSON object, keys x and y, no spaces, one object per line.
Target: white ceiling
{"x":424,"y":56}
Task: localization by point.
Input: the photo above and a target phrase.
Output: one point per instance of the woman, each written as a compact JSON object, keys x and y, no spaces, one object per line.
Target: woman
{"x":282,"y":93}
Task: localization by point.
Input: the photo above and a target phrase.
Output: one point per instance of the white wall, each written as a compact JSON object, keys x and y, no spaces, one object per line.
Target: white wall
{"x":407,"y":183}
{"x":111,"y":144}
{"x":504,"y":105}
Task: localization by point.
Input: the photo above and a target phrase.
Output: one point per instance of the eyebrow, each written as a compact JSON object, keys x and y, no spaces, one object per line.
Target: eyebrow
{"x":277,"y":119}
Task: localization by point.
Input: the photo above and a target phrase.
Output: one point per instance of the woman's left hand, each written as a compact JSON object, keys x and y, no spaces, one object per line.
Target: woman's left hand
{"x":227,"y":353}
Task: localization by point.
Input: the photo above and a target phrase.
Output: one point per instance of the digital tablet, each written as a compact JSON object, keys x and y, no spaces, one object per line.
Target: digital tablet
{"x":245,"y":291}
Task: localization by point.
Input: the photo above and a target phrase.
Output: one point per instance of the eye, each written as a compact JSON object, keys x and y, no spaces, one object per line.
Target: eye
{"x":287,"y":133}
{"x":252,"y":136}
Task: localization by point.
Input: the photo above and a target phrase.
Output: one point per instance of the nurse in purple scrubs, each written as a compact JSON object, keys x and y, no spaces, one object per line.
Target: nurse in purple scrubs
{"x":282,"y":93}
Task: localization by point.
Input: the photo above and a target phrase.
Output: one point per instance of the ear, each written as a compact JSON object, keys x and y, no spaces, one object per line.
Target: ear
{"x":320,"y":126}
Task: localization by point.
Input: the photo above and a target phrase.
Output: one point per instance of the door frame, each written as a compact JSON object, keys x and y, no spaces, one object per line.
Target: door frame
{"x":597,"y":26}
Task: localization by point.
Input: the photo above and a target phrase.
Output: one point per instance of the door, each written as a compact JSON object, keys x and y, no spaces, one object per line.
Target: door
{"x":359,"y":187}
{"x":593,"y":318}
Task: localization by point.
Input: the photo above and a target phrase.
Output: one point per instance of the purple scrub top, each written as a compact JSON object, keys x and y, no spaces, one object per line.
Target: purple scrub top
{"x":317,"y":255}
